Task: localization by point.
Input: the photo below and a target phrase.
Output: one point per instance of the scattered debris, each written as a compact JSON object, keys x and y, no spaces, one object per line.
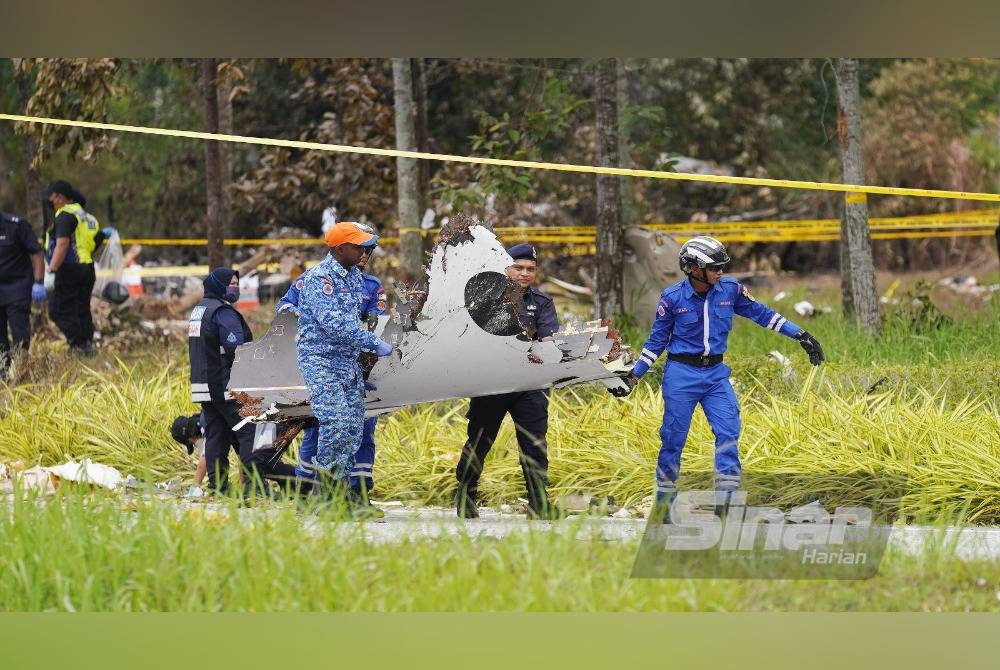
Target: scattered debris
{"x":804,"y":308}
{"x":37,"y":479}
{"x":781,"y":358}
{"x":46,"y":480}
{"x":810,"y":513}
{"x":779,"y":296}
{"x":88,"y":472}
{"x":968,"y":286}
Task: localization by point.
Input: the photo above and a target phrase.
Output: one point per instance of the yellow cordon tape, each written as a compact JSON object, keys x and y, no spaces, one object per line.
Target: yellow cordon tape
{"x":563,"y":167}
{"x":979,"y":223}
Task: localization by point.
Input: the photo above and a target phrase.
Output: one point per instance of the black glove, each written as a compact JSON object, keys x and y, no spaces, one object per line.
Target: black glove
{"x":630,"y":380}
{"x":811,"y":345}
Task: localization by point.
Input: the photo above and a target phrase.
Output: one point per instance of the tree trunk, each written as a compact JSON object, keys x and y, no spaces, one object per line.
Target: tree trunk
{"x":608,"y":299}
{"x":33,"y":208}
{"x":410,"y":246}
{"x":860,"y":297}
{"x":628,"y":212}
{"x":213,"y":165}
{"x":225,"y":88}
{"x":422,"y":132}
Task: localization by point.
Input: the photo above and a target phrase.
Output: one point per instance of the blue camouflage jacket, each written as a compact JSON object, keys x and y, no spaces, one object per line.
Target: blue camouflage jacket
{"x":329,"y":319}
{"x":372,"y":300}
{"x":688,"y":324}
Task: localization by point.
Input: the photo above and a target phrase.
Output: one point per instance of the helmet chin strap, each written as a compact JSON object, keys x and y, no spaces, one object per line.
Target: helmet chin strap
{"x":701,"y":280}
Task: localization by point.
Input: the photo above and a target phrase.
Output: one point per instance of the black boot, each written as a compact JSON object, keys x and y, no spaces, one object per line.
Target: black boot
{"x":361,"y":507}
{"x":539,"y":506}
{"x":465,"y":502}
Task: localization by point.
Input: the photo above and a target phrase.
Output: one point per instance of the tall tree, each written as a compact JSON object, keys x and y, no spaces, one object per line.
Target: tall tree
{"x":29,"y":149}
{"x":422,"y":131}
{"x":213,"y":164}
{"x":628,"y":211}
{"x":407,"y":177}
{"x":224,"y":92}
{"x":860,"y":298}
{"x":609,"y":297}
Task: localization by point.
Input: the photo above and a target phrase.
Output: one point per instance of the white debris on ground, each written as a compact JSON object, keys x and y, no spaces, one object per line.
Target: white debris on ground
{"x":46,"y":480}
{"x":964,"y":285}
{"x":804,"y":308}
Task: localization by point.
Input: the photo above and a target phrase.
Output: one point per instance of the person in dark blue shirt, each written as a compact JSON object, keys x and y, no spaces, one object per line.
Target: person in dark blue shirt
{"x":692,"y":323}
{"x":21,"y":283}
{"x":215,"y":330}
{"x":528,"y":409}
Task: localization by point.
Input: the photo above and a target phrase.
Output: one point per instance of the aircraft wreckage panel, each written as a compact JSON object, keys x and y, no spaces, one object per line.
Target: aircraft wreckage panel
{"x":465,"y":340}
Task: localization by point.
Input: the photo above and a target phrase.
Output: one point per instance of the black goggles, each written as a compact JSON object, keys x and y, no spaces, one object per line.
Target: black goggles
{"x":716,"y":267}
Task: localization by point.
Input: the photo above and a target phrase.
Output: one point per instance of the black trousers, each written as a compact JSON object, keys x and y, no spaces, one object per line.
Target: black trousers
{"x":69,"y":304}
{"x":15,"y":330}
{"x":220,"y":417}
{"x":530,"y":412}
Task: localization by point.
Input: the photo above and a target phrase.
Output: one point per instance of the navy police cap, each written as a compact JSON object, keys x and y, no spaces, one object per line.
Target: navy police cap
{"x":523,"y":251}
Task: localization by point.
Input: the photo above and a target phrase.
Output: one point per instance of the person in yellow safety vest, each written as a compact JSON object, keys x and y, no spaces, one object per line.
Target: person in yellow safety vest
{"x":69,"y":246}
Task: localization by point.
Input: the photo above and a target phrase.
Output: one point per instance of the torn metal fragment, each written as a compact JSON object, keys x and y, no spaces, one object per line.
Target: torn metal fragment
{"x":468,"y":342}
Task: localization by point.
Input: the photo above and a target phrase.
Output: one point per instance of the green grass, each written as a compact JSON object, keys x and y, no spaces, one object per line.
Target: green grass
{"x":920,"y":401}
{"x":101,"y":553}
{"x":938,"y":426}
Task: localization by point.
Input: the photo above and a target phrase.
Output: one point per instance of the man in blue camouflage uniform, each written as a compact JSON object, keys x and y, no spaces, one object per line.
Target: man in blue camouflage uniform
{"x":330,"y":339}
{"x":528,"y":409}
{"x":372,"y":304}
{"x":692,"y":323}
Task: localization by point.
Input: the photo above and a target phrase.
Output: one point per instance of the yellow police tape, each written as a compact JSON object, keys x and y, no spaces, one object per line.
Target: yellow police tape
{"x":564,"y":167}
{"x":979,"y":223}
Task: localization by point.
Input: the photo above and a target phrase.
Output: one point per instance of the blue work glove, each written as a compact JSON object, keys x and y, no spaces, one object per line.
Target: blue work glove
{"x":108,"y":232}
{"x":37,"y":292}
{"x":384,"y":348}
{"x":370,"y":387}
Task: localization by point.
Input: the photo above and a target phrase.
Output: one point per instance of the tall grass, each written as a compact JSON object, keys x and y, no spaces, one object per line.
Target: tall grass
{"x":948,"y":446}
{"x":99,"y":553}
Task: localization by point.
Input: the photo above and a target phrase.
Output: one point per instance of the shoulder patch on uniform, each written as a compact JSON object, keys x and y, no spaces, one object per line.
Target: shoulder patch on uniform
{"x":327,"y":285}
{"x":746,"y":293}
{"x":661,"y":310}
{"x":231,"y":339}
{"x":381,"y":297}
{"x":299,"y":284}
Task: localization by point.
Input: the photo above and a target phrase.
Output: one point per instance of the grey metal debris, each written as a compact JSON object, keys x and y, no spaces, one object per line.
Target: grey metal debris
{"x":463,"y":340}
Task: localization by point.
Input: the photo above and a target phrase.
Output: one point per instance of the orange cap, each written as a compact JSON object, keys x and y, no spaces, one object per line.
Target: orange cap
{"x":349,"y":232}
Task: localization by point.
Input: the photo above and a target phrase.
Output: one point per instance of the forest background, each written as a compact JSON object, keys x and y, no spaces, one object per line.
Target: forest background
{"x":928,"y":123}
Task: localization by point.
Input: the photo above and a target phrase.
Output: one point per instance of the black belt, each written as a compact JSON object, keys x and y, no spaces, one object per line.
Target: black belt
{"x":697,"y":361}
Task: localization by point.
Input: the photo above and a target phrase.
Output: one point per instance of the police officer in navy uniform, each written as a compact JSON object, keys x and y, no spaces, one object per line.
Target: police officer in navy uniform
{"x":528,"y":409}
{"x":21,"y":275}
{"x":215,"y":330}
{"x":692,"y":323}
{"x":69,"y":248}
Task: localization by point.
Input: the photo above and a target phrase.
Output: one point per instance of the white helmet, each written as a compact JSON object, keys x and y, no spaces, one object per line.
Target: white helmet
{"x":702,"y":251}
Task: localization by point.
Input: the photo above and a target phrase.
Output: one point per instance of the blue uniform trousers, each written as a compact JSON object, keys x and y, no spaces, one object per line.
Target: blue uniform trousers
{"x":684,"y":386}
{"x":337,"y":397}
{"x":364,"y":460}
